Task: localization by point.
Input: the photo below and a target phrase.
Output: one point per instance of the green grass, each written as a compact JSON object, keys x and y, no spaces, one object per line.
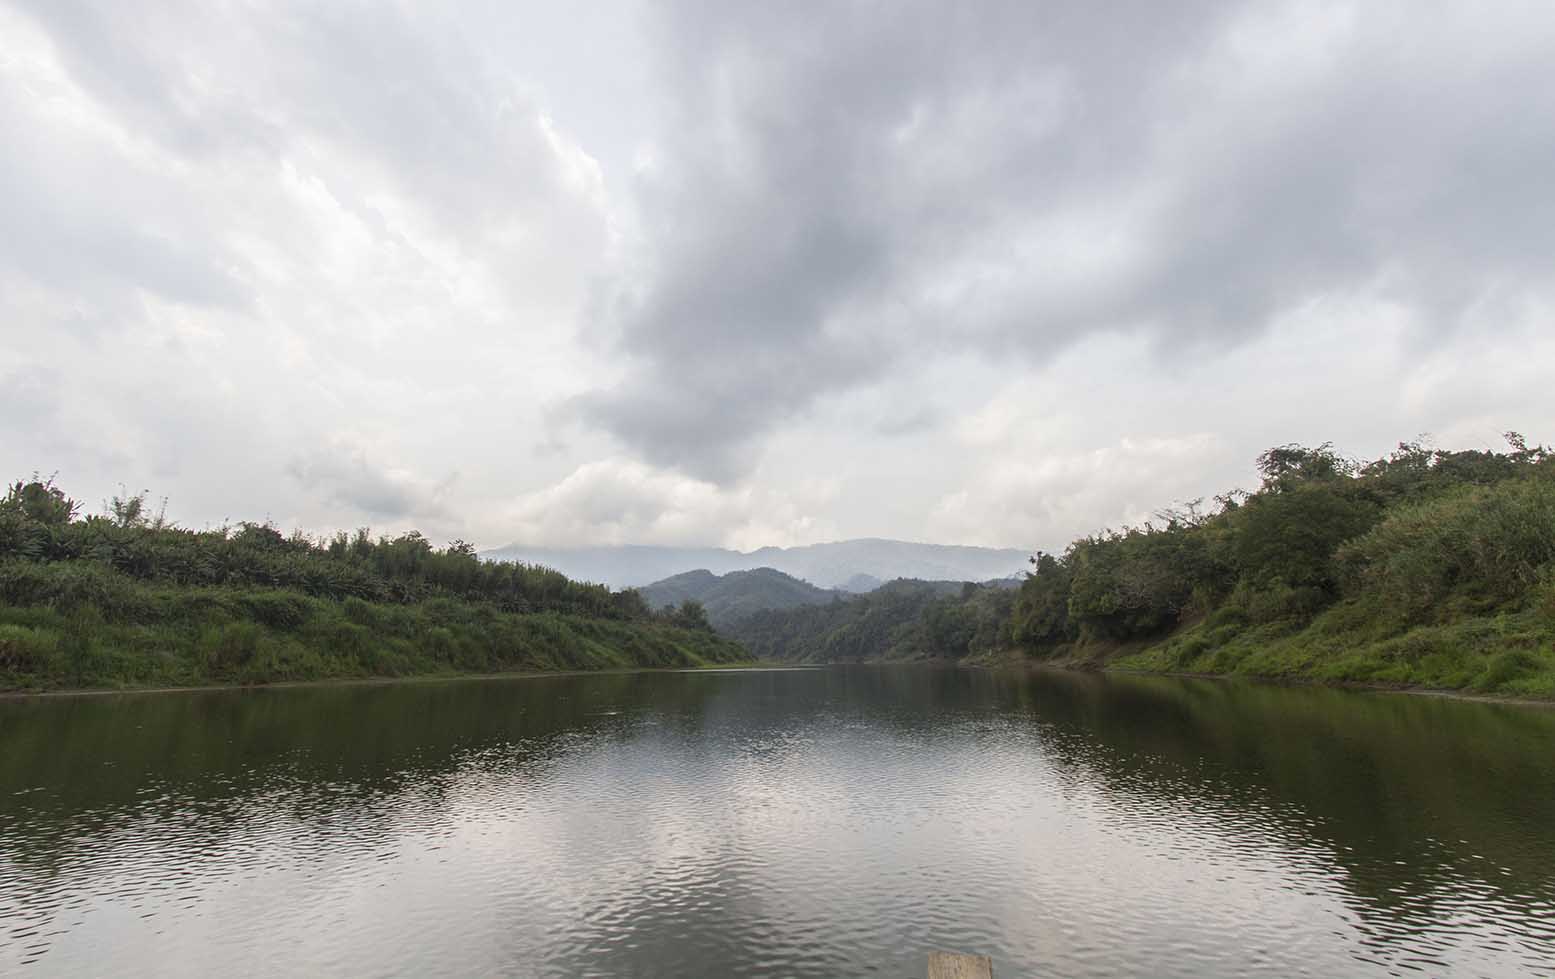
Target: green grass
{"x":139,"y":634}
{"x":1506,"y":653}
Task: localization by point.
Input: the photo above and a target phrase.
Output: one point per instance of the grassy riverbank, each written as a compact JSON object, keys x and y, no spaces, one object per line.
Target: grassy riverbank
{"x":1505,"y":658}
{"x":214,"y":636}
{"x":125,"y":600}
{"x":1426,"y":569}
{"x":1509,"y":653}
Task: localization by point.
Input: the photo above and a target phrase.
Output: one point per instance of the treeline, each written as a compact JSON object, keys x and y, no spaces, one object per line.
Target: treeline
{"x":127,"y":597}
{"x":40,"y":523}
{"x":1426,"y":567}
{"x":901,"y":620}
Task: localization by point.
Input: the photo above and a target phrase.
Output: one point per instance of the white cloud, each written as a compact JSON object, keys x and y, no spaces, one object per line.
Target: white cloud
{"x":622,"y":501}
{"x":727,"y":275}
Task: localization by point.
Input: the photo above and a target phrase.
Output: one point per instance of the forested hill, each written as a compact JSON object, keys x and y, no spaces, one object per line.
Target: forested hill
{"x":126,"y":599}
{"x":900,"y":620}
{"x":733,"y":600}
{"x":733,"y":596}
{"x":1426,"y":567}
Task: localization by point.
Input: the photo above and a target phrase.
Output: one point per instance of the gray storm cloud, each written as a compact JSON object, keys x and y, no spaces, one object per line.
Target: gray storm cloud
{"x":853,"y":186}
{"x":749,"y":273}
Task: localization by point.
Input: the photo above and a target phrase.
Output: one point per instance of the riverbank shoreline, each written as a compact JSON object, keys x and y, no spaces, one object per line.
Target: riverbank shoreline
{"x":1276,"y":681}
{"x":1006,"y":664}
{"x":379,"y":681}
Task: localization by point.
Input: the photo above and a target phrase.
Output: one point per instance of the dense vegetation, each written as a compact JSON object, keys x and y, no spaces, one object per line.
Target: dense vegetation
{"x":731,"y":597}
{"x":903,"y":619}
{"x":1427,"y":567}
{"x":125,"y":598}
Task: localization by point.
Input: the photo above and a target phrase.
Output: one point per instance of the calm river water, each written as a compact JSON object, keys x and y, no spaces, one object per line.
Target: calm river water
{"x":837,"y":822}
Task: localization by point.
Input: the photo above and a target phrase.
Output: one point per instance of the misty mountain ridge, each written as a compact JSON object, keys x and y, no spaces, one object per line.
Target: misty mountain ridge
{"x":848,"y":564}
{"x":733,"y":596}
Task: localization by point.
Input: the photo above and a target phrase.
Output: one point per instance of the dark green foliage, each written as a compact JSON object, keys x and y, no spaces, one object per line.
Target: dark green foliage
{"x":1137,"y":583}
{"x":691,"y":615}
{"x":1485,"y":545}
{"x":1289,"y":536}
{"x":1426,"y":567}
{"x":131,"y":600}
{"x":1041,"y":613}
{"x":902,"y":619}
{"x":39,"y":502}
{"x":1417,"y":532}
{"x":403,"y":569}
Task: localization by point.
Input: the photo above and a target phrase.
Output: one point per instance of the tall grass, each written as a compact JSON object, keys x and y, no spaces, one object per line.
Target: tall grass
{"x":130,"y":600}
{"x":78,"y":625}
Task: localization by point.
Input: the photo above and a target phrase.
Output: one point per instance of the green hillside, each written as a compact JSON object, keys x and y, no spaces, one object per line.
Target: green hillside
{"x":901,"y":620}
{"x":125,"y":599}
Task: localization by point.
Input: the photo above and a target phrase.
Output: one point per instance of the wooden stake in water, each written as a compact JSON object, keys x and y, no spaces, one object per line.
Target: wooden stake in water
{"x":951,"y":965}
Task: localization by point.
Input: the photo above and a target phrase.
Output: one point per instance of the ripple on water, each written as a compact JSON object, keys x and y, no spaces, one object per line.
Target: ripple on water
{"x":762,"y":824}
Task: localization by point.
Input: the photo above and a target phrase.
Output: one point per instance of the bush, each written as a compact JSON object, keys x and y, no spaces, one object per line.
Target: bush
{"x":228,"y":648}
{"x":1280,"y":602}
{"x":1289,"y":537}
{"x":1542,"y":598}
{"x":1494,"y":543}
{"x":25,"y":650}
{"x":439,"y":643}
{"x":276,"y":609}
{"x":1507,"y":667}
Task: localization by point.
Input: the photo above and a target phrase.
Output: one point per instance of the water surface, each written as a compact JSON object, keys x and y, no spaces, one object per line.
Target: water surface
{"x":834,"y":822}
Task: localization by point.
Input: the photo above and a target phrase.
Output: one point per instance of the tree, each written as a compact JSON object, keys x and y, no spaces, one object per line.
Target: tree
{"x":131,"y":510}
{"x":1041,"y":614}
{"x":1286,"y":466}
{"x":1290,"y":537}
{"x":692,"y":615}
{"x":39,"y":501}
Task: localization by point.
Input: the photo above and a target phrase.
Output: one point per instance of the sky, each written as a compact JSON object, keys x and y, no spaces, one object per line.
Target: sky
{"x":737,"y":273}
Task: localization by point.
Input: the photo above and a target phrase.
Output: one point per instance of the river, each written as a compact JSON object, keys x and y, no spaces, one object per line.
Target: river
{"x":832,"y":822}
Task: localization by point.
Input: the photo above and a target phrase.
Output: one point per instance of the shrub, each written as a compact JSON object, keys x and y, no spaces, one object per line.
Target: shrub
{"x":439,"y":643}
{"x":276,"y":609}
{"x":1280,"y":602}
{"x":1506,"y":667}
{"x":360,"y":612}
{"x":1542,"y":598}
{"x":1491,"y":542}
{"x":1290,"y":537}
{"x":229,"y":647}
{"x":27,"y":650}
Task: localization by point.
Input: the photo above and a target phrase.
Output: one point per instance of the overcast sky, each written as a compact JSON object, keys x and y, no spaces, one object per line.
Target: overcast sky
{"x":747,"y":273}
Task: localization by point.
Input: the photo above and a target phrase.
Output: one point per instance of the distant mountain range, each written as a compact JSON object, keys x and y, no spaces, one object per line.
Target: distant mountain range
{"x":733,"y":596}
{"x":852,"y":565}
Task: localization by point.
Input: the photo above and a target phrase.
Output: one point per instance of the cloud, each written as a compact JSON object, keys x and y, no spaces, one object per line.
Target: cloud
{"x":735,"y":273}
{"x":842,"y":191}
{"x":343,"y":475}
{"x":621,"y":501}
{"x":234,"y":233}
{"x":1055,"y":498}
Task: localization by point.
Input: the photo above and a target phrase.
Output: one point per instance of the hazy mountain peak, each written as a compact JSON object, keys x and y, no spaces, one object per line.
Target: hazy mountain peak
{"x":834,"y":564}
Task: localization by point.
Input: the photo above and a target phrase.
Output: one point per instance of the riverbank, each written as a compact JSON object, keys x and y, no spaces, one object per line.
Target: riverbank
{"x":128,"y":635}
{"x":1382,"y":666}
{"x":1510,"y":654}
{"x":127,"y":600}
{"x":378,"y":681}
